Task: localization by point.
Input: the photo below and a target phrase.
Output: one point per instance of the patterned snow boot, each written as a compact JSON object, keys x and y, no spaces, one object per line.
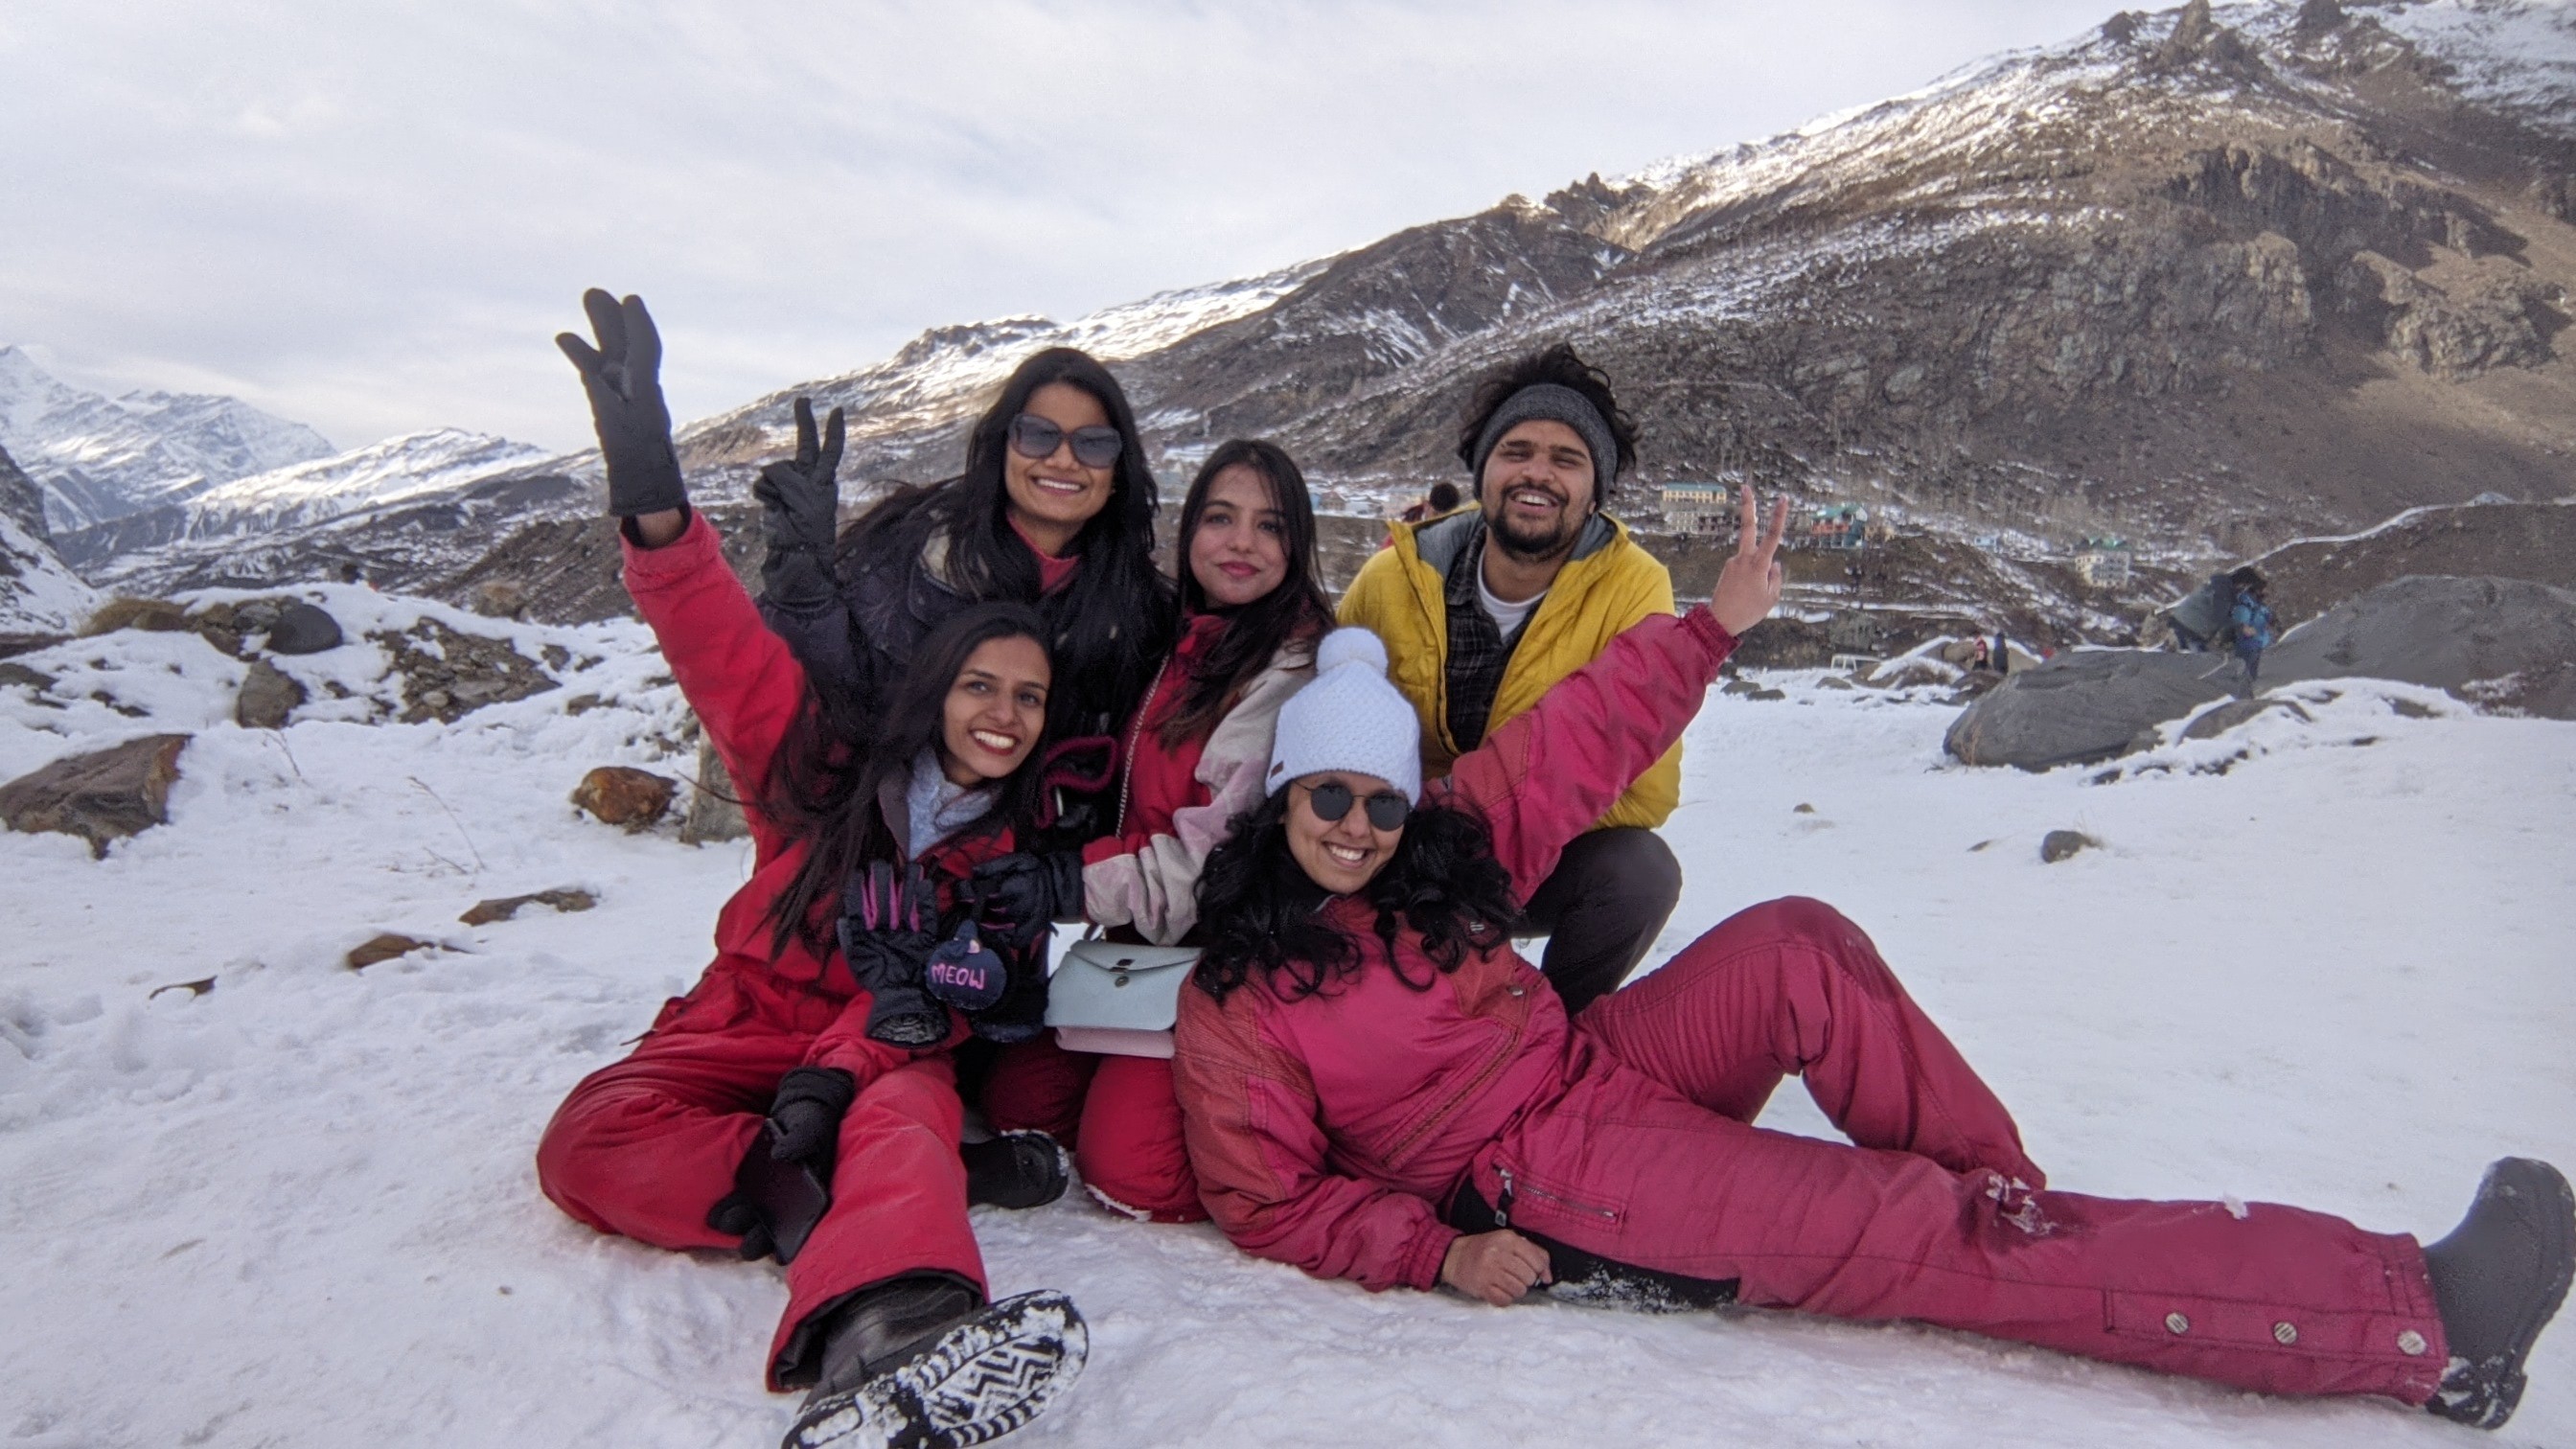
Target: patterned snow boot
{"x":916,"y":1364}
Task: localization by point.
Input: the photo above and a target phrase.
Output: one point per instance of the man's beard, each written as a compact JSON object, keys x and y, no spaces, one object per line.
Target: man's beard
{"x":1535,"y":546}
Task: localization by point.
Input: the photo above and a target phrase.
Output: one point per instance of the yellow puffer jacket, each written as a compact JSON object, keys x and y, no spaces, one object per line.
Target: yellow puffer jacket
{"x":1609,"y":584}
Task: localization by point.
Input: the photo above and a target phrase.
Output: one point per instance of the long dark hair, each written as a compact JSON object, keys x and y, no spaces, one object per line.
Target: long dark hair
{"x":1260,"y":913}
{"x":1295,"y":610}
{"x":828,"y":774}
{"x":1113,"y":624}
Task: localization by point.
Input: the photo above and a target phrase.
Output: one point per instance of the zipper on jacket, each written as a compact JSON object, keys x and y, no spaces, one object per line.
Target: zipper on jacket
{"x":1136,"y":732}
{"x":1502,"y":1058}
{"x":1567,"y":1203}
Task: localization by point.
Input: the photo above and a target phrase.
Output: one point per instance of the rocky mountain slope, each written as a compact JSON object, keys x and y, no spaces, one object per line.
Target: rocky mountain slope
{"x":39,"y":596}
{"x":2212,"y":278}
{"x":99,"y":458}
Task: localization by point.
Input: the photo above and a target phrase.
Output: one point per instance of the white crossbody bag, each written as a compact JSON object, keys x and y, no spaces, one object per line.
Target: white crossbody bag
{"x":1117,"y":999}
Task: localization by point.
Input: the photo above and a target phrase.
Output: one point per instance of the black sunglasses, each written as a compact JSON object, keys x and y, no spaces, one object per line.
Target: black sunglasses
{"x":1096,"y":446}
{"x":1332,"y":800}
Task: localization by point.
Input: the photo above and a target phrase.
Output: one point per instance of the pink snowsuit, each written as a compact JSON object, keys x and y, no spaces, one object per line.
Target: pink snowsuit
{"x":644,"y":1146}
{"x":1332,"y":1131}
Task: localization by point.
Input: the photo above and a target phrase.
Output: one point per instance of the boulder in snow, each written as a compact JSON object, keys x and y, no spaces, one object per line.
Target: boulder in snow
{"x":158,"y":616}
{"x":447,"y":675}
{"x":302,"y":628}
{"x":2085,"y":706}
{"x":267,"y":697}
{"x":2059,"y":845}
{"x":383,"y":947}
{"x":714,"y":812}
{"x":503,"y":908}
{"x":624,"y":795}
{"x":2497,"y":641}
{"x":98,"y":796}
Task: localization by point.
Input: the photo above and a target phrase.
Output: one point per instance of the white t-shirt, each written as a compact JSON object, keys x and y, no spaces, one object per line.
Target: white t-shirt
{"x":1506,"y":617}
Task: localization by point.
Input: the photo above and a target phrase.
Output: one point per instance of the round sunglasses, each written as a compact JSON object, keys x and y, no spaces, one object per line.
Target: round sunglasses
{"x":1332,"y":800}
{"x":1096,"y":446}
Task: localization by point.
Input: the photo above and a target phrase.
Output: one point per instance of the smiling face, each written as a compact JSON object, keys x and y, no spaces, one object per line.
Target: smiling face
{"x":995,"y":710}
{"x":1238,"y":551}
{"x":1339,"y":855}
{"x":1537,"y":490}
{"x":1051,"y":498}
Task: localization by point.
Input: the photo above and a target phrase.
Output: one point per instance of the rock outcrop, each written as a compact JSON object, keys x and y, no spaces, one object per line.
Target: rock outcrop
{"x":101,"y":796}
{"x":2085,"y":707}
{"x":2495,"y":641}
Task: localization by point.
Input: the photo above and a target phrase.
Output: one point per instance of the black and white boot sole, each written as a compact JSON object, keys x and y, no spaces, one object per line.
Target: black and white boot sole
{"x":975,"y":1383}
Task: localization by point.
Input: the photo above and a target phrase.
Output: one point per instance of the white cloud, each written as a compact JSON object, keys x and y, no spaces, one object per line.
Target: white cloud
{"x":372,"y":219}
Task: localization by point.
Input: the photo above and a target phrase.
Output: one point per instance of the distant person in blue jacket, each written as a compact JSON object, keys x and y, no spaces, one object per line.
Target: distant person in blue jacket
{"x":2249,"y":620}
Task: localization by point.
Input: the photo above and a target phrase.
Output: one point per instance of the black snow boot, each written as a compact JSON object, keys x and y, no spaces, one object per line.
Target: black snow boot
{"x":918,"y":1364}
{"x":1015,"y":1170}
{"x":2497,"y":1279}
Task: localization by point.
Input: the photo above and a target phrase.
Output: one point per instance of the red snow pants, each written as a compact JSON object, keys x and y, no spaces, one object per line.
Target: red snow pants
{"x":1648,"y":1159}
{"x":645,"y":1146}
{"x":1119,"y":1115}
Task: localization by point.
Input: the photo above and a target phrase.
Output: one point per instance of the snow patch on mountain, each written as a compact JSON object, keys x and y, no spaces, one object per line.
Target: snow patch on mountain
{"x":100,"y":458}
{"x":396,"y":470}
{"x":2512,"y":55}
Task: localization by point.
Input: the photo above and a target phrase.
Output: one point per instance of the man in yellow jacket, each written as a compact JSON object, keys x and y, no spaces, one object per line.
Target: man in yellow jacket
{"x":1483,"y":610}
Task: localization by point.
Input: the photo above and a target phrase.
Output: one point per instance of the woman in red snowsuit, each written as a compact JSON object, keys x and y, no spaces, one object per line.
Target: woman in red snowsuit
{"x":780,"y":1106}
{"x":1376,"y":1087}
{"x":1252,"y":610}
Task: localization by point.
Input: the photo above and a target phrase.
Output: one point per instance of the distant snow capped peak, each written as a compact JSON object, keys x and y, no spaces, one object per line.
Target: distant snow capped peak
{"x":99,"y":458}
{"x":414,"y":464}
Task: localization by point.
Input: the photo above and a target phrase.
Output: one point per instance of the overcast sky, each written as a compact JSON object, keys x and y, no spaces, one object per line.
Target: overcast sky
{"x":371,"y":217}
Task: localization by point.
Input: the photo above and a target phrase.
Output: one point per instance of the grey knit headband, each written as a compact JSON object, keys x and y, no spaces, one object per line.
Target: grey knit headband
{"x":1556,"y":403}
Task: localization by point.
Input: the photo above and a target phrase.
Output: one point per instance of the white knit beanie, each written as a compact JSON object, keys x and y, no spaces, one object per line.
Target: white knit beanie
{"x":1349,"y":718}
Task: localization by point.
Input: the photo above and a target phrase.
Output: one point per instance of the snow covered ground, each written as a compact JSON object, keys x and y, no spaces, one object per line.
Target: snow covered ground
{"x":299,"y":1209}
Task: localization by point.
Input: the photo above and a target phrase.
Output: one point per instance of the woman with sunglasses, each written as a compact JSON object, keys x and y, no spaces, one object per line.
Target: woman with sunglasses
{"x":1376,"y":1087}
{"x":1251,"y":608}
{"x":1055,"y":509}
{"x":801,"y":1101}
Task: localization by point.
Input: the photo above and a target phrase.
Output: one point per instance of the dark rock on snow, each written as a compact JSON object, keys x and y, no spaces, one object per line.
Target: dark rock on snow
{"x":2235,"y":712}
{"x":302,"y":628}
{"x":158,"y":616}
{"x":2085,"y":707}
{"x":503,"y":908}
{"x":2059,"y":845}
{"x":623,"y":795}
{"x":447,"y":675}
{"x":267,"y":697}
{"x":99,"y":796}
{"x":383,"y":948}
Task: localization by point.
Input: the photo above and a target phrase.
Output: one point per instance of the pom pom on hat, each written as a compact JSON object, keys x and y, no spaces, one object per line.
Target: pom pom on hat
{"x":1350,"y":646}
{"x":1348,"y":718}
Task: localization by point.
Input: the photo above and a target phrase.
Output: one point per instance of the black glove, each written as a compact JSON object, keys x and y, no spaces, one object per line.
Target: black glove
{"x":888,"y":930}
{"x":800,"y":513}
{"x":784,"y":1181}
{"x":620,"y":374}
{"x":1027,"y":892}
{"x":1021,"y":1013}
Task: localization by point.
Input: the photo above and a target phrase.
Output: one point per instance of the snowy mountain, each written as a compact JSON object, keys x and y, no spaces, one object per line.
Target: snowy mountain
{"x":2210,"y":279}
{"x":100,"y":458}
{"x":38,"y":594}
{"x":407,"y":469}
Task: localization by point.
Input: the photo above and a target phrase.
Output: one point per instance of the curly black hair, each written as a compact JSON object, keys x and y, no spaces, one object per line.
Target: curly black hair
{"x":1259,"y":912}
{"x":1556,"y":363}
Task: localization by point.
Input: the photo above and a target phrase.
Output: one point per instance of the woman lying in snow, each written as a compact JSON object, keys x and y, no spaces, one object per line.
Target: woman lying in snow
{"x":1376,"y":1087}
{"x":802,"y":1098}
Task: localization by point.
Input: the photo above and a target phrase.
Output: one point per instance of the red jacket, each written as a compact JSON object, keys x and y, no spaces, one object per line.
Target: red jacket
{"x":747,"y":687}
{"x":1175,"y":802}
{"x":1416,"y":1084}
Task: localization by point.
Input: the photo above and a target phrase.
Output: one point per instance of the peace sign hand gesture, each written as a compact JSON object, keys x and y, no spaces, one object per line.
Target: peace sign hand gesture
{"x":800,"y":510}
{"x":1748,"y":588}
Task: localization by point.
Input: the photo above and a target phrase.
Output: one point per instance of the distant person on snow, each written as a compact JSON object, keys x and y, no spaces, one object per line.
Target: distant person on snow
{"x":1377,"y":1088}
{"x":1484,"y":610}
{"x":2249,"y":620}
{"x":802,"y":1100}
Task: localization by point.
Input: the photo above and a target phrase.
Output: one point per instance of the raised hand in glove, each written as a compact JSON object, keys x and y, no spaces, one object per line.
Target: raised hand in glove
{"x":889,"y":927}
{"x":622,"y":376}
{"x":800,"y":504}
{"x":1026,"y":892}
{"x":784,"y":1181}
